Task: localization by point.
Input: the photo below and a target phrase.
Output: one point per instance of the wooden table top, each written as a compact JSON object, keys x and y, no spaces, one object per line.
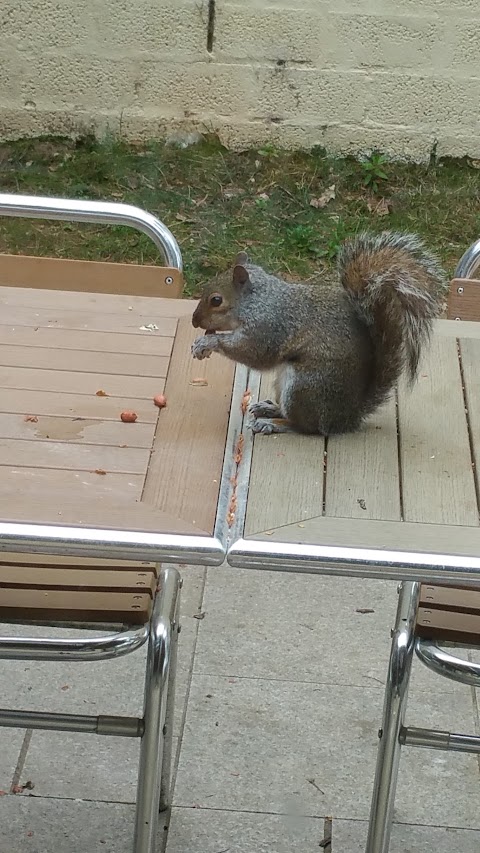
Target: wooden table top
{"x":70,"y":363}
{"x":407,"y":481}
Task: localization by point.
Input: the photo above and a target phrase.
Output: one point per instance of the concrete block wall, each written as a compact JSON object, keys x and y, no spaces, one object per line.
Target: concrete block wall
{"x":399,"y":75}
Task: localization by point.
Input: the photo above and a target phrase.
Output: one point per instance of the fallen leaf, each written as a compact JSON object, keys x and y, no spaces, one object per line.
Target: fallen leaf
{"x":201,"y":381}
{"x":379,"y":208}
{"x":65,"y":687}
{"x":361,"y":503}
{"x":231,"y":192}
{"x":474,"y":163}
{"x":101,"y":393}
{"x":364,"y":610}
{"x":31,"y":419}
{"x":324,"y":198}
{"x":199,"y":615}
{"x":182,"y":218}
{"x":100,"y":471}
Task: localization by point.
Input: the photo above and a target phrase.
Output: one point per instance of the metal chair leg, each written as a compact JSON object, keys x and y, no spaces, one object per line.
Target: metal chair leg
{"x":166,"y":770}
{"x":159,"y":675}
{"x":396,"y":691}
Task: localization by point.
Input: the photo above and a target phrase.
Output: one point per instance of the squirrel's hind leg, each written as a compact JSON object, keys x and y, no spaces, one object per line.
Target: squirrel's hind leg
{"x":264,"y":426}
{"x":265,"y":409}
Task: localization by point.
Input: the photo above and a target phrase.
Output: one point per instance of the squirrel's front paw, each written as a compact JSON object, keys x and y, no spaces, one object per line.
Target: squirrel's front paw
{"x":265,"y":409}
{"x":204,"y":346}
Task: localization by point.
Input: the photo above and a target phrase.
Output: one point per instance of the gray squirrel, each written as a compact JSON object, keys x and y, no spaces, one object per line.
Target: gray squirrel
{"x":337,"y":350}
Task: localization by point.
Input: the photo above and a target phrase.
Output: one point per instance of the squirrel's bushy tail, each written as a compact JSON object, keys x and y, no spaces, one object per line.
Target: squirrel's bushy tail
{"x":397,"y":288}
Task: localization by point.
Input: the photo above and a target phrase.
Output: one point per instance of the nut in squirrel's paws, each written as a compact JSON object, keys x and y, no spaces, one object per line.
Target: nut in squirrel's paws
{"x":203,"y":347}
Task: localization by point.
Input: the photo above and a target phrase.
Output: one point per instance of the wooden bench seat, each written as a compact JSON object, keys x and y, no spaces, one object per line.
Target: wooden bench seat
{"x":77,"y":591}
{"x":449,"y":614}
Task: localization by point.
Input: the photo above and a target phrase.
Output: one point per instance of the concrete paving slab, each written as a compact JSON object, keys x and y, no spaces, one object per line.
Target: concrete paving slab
{"x":11,"y":741}
{"x":210,"y":831}
{"x":350,"y":836}
{"x":261,"y":624}
{"x":256,"y":745}
{"x":37,"y":825}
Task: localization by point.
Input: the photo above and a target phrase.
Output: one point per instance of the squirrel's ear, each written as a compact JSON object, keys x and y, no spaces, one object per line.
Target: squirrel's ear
{"x":241,"y":259}
{"x":240,"y":276}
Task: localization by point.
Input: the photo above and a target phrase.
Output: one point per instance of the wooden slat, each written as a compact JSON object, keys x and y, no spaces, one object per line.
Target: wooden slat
{"x":89,"y":406}
{"x":22,"y":485}
{"x":448,"y":626}
{"x":64,"y":382}
{"x":86,"y":580}
{"x":188,"y":450}
{"x":72,"y":456}
{"x":52,"y":561}
{"x":145,"y":343}
{"x":362,"y":470}
{"x":464,"y":299}
{"x":128,"y":323}
{"x":63,"y":606}
{"x":98,"y":303}
{"x":437,"y":478}
{"x":459,"y":599}
{"x":91,"y":276}
{"x":386,"y":535}
{"x":286,"y":482}
{"x":54,"y":496}
{"x":95,"y":363}
{"x":453,"y":329}
{"x":76,"y":430}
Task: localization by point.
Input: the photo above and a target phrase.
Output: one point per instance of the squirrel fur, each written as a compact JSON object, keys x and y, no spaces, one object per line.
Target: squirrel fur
{"x":338,"y":351}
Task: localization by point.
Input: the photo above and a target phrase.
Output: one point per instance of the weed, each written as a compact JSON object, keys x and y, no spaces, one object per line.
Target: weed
{"x":373,"y":169}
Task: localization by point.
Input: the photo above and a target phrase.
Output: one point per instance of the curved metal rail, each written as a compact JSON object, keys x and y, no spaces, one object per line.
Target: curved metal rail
{"x":469,"y":262}
{"x":443,"y":663}
{"x":103,"y":212}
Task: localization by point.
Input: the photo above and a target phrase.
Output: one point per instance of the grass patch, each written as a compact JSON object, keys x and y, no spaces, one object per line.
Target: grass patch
{"x":290,"y":210}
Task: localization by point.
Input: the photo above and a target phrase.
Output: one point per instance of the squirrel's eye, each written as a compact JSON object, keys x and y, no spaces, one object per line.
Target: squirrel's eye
{"x":216,"y":301}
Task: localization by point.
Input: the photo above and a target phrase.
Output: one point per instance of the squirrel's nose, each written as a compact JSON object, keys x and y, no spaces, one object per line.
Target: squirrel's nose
{"x":195,"y":320}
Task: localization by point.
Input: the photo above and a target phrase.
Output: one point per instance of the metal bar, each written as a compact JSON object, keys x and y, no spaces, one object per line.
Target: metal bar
{"x":110,"y":544}
{"x":469,"y":262}
{"x":431,"y":739}
{"x":84,"y":723}
{"x":159,"y":659}
{"x":235,"y":479}
{"x":394,"y":708}
{"x":448,"y":665}
{"x":101,"y":212}
{"x":351,"y":562}
{"x":81,"y":649}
